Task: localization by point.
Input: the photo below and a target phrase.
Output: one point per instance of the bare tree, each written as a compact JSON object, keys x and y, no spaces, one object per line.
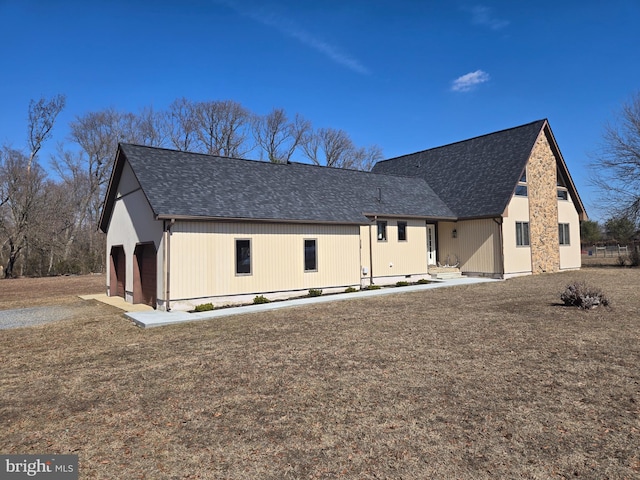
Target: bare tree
{"x":42,"y":116}
{"x":366,"y":157}
{"x":334,"y":148}
{"x":277,"y":136}
{"x":21,"y":184}
{"x":181,"y":124}
{"x":151,"y":128}
{"x":617,"y":165}
{"x":86,"y":173}
{"x":221,"y":128}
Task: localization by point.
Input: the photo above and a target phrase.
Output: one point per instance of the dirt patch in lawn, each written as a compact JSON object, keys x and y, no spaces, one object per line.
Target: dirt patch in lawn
{"x":492,"y":380}
{"x":32,"y":292}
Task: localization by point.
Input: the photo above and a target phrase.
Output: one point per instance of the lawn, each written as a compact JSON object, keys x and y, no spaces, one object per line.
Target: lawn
{"x":490,"y":381}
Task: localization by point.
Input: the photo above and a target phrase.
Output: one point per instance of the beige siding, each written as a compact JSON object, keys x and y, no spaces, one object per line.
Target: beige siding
{"x":132,"y":222}
{"x":476,"y":245}
{"x":203,"y":258}
{"x":517,"y":260}
{"x":394,"y":258}
{"x":570,"y":257}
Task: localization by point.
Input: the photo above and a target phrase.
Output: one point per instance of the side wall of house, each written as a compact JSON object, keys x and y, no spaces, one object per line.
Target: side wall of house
{"x":570,"y":256}
{"x":393,"y":259}
{"x":132,"y":222}
{"x":475,"y":244}
{"x":203,"y":261}
{"x":543,"y":212}
{"x":517,"y":258}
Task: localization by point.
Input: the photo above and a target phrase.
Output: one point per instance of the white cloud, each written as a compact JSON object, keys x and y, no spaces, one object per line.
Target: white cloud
{"x":287,"y":27}
{"x":481,"y":15}
{"x":469,"y":81}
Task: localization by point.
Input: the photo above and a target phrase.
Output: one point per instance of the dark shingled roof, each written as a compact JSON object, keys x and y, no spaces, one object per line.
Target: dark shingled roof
{"x":475,"y":177}
{"x":182,"y":184}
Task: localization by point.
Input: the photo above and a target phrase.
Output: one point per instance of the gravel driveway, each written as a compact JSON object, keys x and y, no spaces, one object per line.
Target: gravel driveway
{"x":27,"y":317}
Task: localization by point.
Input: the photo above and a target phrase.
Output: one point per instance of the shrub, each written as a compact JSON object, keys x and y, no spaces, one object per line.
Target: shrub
{"x":402,"y":284}
{"x":204,"y":307}
{"x":423,"y":281}
{"x":260,"y":299}
{"x":372,"y":287}
{"x":581,"y":295}
{"x":622,"y":260}
{"x":350,"y":290}
{"x":634,"y":258}
{"x":315,"y":292}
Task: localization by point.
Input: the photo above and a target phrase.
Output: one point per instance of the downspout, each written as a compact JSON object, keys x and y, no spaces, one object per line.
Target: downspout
{"x":166,"y":261}
{"x":499,"y":223}
{"x":375,"y":218}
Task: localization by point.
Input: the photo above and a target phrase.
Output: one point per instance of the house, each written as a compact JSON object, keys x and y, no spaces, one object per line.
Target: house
{"x":185,"y":229}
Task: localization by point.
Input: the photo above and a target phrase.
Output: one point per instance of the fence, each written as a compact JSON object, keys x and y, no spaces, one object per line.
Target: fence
{"x":616,"y":250}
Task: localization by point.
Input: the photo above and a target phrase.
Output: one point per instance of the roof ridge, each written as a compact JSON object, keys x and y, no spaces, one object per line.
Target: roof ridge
{"x":465,"y":140}
{"x":264,"y":162}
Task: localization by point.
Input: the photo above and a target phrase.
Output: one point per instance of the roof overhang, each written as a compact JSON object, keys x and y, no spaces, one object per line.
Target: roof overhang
{"x":412,"y":217}
{"x":562,"y":166}
{"x":198,"y":218}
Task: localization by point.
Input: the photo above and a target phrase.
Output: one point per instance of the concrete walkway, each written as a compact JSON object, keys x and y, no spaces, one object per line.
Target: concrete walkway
{"x":118,"y":302}
{"x":156,"y":318}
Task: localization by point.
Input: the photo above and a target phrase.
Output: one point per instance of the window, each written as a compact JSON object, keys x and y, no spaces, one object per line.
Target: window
{"x":521,"y":189}
{"x":310,"y":256}
{"x":522,"y":234}
{"x":382,"y":231}
{"x":563,"y":194}
{"x":402,"y":231}
{"x":243,"y":257}
{"x":563,"y":233}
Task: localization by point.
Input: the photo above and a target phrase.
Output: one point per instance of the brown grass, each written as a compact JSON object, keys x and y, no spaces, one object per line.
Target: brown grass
{"x":485,"y":381}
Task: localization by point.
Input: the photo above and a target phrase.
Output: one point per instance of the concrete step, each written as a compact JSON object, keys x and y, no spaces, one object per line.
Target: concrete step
{"x":446,"y":275}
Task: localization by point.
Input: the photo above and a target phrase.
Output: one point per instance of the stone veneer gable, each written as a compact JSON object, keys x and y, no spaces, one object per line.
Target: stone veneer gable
{"x":543,"y":207}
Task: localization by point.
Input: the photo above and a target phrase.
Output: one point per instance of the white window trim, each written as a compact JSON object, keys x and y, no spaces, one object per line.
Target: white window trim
{"x":523,"y":245}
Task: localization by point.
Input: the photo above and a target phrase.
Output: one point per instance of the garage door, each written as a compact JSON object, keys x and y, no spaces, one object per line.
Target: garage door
{"x":144,"y":281}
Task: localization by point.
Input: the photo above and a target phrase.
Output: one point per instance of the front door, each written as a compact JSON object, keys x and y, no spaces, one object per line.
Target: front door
{"x":431,"y":244}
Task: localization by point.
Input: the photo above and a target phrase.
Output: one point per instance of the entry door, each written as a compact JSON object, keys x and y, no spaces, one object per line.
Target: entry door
{"x":431,"y":244}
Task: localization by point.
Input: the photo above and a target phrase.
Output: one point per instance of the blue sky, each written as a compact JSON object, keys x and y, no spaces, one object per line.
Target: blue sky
{"x":405,"y":75}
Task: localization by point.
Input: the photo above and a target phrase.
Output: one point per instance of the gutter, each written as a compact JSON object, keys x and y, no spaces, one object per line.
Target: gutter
{"x":499,"y":222}
{"x":166,"y":261}
{"x":375,"y":219}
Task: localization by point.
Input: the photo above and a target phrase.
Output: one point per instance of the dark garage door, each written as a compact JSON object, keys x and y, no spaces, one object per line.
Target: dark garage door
{"x":144,"y":274}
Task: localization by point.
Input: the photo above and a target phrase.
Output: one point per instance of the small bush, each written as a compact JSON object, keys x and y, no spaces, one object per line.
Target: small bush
{"x":423,"y":281}
{"x":204,"y":307}
{"x":260,"y":299}
{"x":621,"y":261}
{"x":315,"y":292}
{"x":581,"y":295}
{"x":350,"y":290}
{"x":372,"y":287}
{"x":634,"y":258}
{"x":402,"y":284}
